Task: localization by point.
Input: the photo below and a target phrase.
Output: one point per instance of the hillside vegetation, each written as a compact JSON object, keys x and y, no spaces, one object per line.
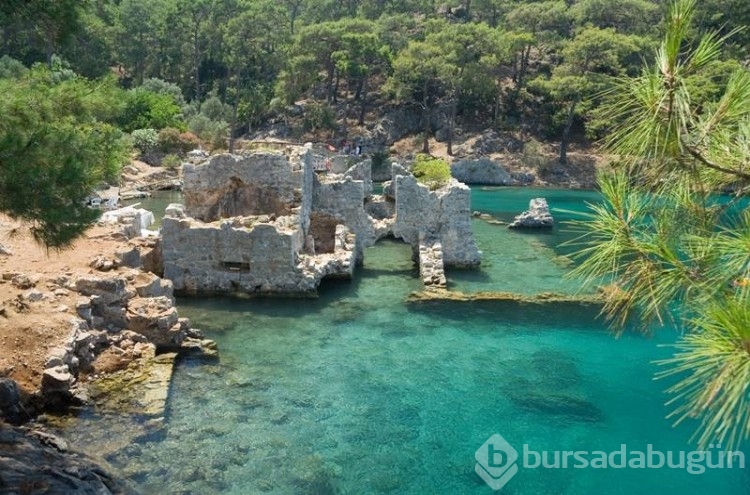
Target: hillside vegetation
{"x":216,"y":69}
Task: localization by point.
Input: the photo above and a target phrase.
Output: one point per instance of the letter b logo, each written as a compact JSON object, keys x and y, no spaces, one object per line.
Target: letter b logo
{"x":496,"y":462}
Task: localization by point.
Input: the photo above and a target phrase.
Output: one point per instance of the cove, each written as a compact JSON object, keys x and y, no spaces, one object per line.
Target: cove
{"x":359,"y":392}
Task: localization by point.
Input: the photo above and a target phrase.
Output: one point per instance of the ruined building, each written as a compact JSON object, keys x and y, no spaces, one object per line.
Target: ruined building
{"x":269,"y":223}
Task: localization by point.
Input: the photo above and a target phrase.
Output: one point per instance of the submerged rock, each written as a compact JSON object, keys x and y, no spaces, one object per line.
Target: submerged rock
{"x":559,"y":404}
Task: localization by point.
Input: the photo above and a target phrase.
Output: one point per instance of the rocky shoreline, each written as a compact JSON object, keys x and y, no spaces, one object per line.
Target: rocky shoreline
{"x":103,"y":336}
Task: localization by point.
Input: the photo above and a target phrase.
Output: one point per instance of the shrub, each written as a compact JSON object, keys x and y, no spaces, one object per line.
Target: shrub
{"x":189,"y":141}
{"x":169,"y":140}
{"x":318,"y":117}
{"x":171,"y":161}
{"x":159,"y":86}
{"x":213,"y":132}
{"x":430,"y":171}
{"x":215,"y":110}
{"x":144,"y":109}
{"x":145,"y":140}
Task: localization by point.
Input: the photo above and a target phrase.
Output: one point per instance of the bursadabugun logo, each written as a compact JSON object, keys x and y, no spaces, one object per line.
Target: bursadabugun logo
{"x":496,"y":462}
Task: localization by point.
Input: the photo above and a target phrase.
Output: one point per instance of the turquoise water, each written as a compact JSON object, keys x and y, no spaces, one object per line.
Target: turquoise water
{"x":358,"y":392}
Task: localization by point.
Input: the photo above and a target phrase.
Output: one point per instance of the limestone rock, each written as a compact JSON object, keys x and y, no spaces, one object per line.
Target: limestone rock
{"x":130,"y":257}
{"x":23,"y":282}
{"x":481,"y":171}
{"x":493,"y":142}
{"x":57,"y":379}
{"x":536,"y":217}
{"x":108,"y":290}
{"x":102,"y":263}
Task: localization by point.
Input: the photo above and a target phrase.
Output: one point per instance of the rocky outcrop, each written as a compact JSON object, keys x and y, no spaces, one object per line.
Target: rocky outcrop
{"x":129,"y":314}
{"x":133,"y":222}
{"x":536,"y":217}
{"x":494,"y":142}
{"x":34,"y":461}
{"x":481,"y":171}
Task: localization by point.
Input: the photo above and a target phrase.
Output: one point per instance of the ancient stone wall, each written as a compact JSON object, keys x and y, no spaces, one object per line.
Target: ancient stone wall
{"x":227,"y":257}
{"x":443,"y":214}
{"x":231,"y":185}
{"x":344,"y":200}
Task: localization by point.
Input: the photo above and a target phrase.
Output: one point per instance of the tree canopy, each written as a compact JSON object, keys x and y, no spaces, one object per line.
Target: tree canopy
{"x":56,"y":147}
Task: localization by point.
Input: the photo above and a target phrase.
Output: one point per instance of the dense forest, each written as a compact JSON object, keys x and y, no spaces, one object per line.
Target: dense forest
{"x":208,"y":66}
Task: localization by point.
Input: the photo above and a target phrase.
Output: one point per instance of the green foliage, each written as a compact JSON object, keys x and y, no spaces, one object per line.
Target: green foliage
{"x":213,"y":132}
{"x":431,"y":171}
{"x":171,"y":161}
{"x":145,"y":140}
{"x":318,"y":117}
{"x":214,"y":109}
{"x":171,"y":140}
{"x":11,"y":68}
{"x":672,"y":252}
{"x":144,"y":109}
{"x":54,"y":151}
{"x":162,"y":87}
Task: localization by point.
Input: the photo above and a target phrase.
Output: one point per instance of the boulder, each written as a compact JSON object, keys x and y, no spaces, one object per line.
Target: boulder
{"x":56,"y":379}
{"x":34,"y":461}
{"x":536,"y":217}
{"x":10,"y":401}
{"x":481,"y":171}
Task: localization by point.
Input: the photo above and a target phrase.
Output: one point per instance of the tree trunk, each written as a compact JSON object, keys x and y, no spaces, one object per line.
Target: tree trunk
{"x":363,"y":102}
{"x":451,"y":123}
{"x":196,"y":64}
{"x":233,"y":125}
{"x":426,"y":119}
{"x":565,"y":140}
{"x":336,"y":87}
{"x":329,"y":82}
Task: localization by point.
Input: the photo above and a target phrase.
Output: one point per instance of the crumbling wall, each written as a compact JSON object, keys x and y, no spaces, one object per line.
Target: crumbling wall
{"x":444,"y":214}
{"x":201,"y":257}
{"x":344,"y":200}
{"x":231,"y":185}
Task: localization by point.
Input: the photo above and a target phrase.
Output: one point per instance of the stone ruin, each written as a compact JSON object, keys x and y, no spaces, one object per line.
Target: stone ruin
{"x":268,"y":223}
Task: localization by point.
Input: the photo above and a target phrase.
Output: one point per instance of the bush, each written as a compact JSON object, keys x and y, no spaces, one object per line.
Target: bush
{"x":171,"y":161}
{"x":145,"y":140}
{"x":215,"y":110}
{"x":144,"y":109}
{"x":213,"y":132}
{"x":159,"y":86}
{"x":169,"y":140}
{"x":430,"y":171}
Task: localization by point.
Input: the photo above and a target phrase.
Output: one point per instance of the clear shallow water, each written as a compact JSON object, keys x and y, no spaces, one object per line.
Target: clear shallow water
{"x":357,"y":392}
